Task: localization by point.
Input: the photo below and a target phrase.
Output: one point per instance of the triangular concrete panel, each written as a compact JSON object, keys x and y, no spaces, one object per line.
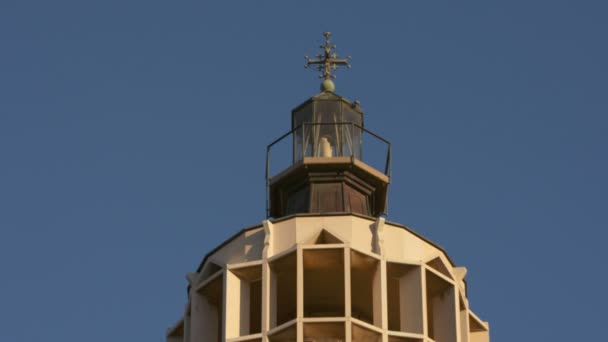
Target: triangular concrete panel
{"x":209,"y":269}
{"x":326,"y":238}
{"x":438,"y":265}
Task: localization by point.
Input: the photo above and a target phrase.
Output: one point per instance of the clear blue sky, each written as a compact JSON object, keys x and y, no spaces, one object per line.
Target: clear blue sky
{"x":133,"y":135}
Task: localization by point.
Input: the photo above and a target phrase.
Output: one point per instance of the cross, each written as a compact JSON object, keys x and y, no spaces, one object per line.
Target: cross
{"x":327,"y":61}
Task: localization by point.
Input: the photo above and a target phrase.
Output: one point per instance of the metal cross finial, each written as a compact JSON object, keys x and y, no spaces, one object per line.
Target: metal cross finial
{"x":327,"y":61}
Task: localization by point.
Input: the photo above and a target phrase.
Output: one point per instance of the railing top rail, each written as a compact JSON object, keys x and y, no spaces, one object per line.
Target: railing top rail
{"x":281,"y":137}
{"x":373,"y":162}
{"x":387,"y":152}
{"x":327,"y":123}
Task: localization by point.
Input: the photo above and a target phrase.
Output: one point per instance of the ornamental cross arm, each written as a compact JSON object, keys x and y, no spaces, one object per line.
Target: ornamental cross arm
{"x":328,"y":60}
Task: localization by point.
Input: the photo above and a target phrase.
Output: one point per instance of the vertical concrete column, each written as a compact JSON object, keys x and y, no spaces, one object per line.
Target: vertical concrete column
{"x":347,"y":282}
{"x":224,"y":303}
{"x":268,"y":239}
{"x":266,"y":300}
{"x":348,"y":333}
{"x":272,"y":305}
{"x":191,"y":277}
{"x":300,"y":293}
{"x":457,"y":313}
{"x":464,"y":324}
{"x":379,"y":236}
{"x":410,"y":306}
{"x":347,"y":295}
{"x":187,"y":323}
{"x":463,"y":316}
{"x":196,"y":315}
{"x":382,"y":310}
{"x":378,"y":288}
{"x":266,"y":281}
{"x":425,"y":317}
{"x":383,"y":300}
{"x":233,"y":296}
{"x":445,"y":325}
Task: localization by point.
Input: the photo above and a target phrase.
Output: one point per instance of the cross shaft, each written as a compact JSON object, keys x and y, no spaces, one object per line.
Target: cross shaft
{"x":327,"y":61}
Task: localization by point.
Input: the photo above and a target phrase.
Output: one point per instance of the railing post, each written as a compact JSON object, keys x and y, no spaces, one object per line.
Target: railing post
{"x":293,"y":147}
{"x":388,"y":162}
{"x":267,"y":182}
{"x":303,"y":154}
{"x":352,"y":140}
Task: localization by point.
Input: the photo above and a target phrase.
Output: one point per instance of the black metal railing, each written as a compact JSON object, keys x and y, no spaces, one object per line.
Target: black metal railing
{"x":345,"y":140}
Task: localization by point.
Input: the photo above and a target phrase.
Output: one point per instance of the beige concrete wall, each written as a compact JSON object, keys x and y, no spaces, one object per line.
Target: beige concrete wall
{"x":422,"y":310}
{"x":246,"y":247}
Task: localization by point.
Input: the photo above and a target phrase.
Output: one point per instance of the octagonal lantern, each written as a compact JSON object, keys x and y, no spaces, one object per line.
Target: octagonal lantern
{"x":328,"y":173}
{"x":327,"y":126}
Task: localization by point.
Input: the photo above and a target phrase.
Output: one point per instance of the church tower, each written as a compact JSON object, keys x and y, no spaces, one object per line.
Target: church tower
{"x":326,"y":266}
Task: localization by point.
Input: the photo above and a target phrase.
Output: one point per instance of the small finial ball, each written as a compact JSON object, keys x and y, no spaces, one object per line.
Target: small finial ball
{"x":328,"y":85}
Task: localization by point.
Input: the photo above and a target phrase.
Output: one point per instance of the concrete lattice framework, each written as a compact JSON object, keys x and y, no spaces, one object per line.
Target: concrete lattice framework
{"x":328,"y":278}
